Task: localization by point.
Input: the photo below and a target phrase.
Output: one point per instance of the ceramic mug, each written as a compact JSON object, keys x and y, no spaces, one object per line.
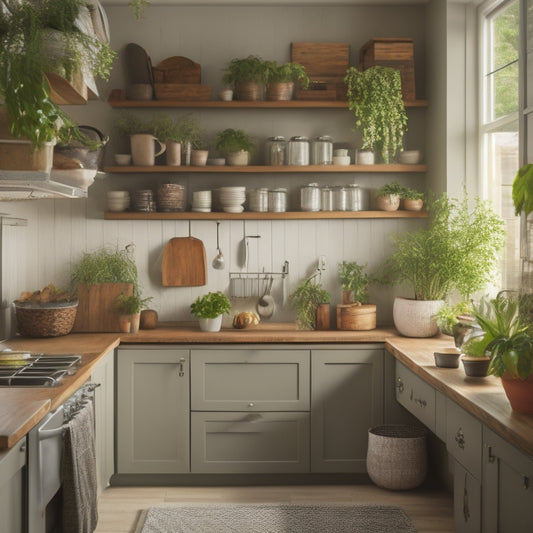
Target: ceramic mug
{"x":143,"y":149}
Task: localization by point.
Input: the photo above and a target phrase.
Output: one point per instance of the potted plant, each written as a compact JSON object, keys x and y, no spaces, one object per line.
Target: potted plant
{"x":308,"y":297}
{"x":281,"y":79}
{"x":411,"y":199}
{"x":236,"y":145}
{"x":474,"y":356}
{"x":31,"y":115}
{"x":375,"y":98}
{"x":130,"y":307}
{"x":98,"y":278}
{"x":209,"y":309}
{"x":458,"y":250}
{"x":388,"y":197}
{"x":142,"y":134}
{"x":247,"y":76}
{"x":179,"y":135}
{"x":448,"y":316}
{"x":506,"y":323}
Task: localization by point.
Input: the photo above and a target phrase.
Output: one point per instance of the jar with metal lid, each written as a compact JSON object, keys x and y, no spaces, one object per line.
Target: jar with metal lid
{"x":298,"y":148}
{"x":258,"y":200}
{"x":339,"y":198}
{"x":322,"y":151}
{"x":310,"y":197}
{"x":326,"y":199}
{"x":354,"y":198}
{"x":276,"y":151}
{"x":277,"y":200}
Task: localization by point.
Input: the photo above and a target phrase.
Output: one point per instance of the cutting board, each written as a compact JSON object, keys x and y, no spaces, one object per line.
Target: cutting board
{"x":177,"y":69}
{"x":184,"y":263}
{"x":138,"y":64}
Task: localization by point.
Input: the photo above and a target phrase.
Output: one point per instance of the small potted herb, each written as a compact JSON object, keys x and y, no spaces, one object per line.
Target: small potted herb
{"x":307,"y":299}
{"x":388,"y":196}
{"x":179,"y":134}
{"x":281,"y":80}
{"x":236,"y":145}
{"x":247,"y":76}
{"x":411,"y":199}
{"x":209,"y":309}
{"x":129,"y":307}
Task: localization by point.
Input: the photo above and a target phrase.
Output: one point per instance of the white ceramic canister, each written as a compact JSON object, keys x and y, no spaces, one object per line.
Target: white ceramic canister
{"x":298,"y":151}
{"x":310,"y":197}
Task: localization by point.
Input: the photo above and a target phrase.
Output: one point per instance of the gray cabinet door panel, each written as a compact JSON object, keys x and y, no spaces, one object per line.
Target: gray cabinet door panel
{"x":249,"y":380}
{"x":152,"y":411}
{"x":466,"y":501}
{"x":11,"y":488}
{"x":347,"y":400}
{"x":249,"y":442}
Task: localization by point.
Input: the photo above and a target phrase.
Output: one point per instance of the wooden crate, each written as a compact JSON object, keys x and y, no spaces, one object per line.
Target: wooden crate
{"x":182,"y":91}
{"x":395,"y":53}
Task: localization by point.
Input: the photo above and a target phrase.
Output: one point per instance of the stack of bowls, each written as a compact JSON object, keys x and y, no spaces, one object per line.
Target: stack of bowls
{"x":232,"y":199}
{"x":201,"y":201}
{"x":118,"y":200}
{"x":170,"y":197}
{"x":143,"y":200}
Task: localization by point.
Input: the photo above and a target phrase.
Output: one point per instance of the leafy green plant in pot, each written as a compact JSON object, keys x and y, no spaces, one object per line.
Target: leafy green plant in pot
{"x":236,"y":145}
{"x":411,"y":199}
{"x":508,"y":333}
{"x":306,"y":300}
{"x":388,"y":196}
{"x":27,"y":30}
{"x":130,"y":307}
{"x":247,"y":76}
{"x":209,"y":309}
{"x":281,"y":79}
{"x":375,"y":98}
{"x":457,"y":251}
{"x":178,"y":134}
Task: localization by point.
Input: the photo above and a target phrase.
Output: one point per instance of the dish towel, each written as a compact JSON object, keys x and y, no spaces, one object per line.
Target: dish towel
{"x":80,"y":513}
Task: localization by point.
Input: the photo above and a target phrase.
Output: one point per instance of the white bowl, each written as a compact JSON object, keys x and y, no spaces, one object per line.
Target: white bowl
{"x":409,"y":157}
{"x":123,"y":159}
{"x":233,"y":209}
{"x":118,"y":194}
{"x":341,"y":159}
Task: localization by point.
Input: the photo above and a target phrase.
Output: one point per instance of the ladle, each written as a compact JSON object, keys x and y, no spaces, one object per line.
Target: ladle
{"x":265,"y":305}
{"x":218,"y":261}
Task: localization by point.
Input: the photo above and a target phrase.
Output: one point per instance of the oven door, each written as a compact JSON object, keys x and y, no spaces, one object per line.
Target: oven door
{"x":45,"y":447}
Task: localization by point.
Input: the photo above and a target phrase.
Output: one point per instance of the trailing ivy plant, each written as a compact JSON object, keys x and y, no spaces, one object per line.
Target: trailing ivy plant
{"x":139,"y":8}
{"x":375,"y":98}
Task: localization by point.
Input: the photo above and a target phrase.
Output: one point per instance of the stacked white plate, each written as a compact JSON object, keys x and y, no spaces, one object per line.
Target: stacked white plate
{"x":232,"y":199}
{"x":201,"y":201}
{"x":118,"y":200}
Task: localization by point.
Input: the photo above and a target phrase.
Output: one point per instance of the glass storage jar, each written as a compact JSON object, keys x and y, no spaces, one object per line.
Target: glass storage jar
{"x":276,"y":151}
{"x":340,"y":198}
{"x":322,"y":151}
{"x":258,"y":200}
{"x":354,"y":197}
{"x":277,"y":200}
{"x":326,"y":199}
{"x":298,"y":151}
{"x":310,"y":197}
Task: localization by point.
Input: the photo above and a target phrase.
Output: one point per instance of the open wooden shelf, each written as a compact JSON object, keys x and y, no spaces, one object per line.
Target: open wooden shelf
{"x":266,"y":169}
{"x":250,"y":215}
{"x":117,"y":99}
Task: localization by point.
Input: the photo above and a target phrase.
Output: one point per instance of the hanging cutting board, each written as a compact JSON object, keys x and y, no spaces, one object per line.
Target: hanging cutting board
{"x":184,"y":263}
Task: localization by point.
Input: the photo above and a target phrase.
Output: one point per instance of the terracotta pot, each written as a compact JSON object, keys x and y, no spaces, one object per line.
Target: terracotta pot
{"x":173,"y":154}
{"x":249,"y":91}
{"x":322,"y":317}
{"x":199,"y":158}
{"x":519,"y":392}
{"x":238,"y":159}
{"x":416,"y":318}
{"x":124,"y":323}
{"x":412,"y":205}
{"x":280,"y":91}
{"x":389,"y":202}
{"x":347,"y":297}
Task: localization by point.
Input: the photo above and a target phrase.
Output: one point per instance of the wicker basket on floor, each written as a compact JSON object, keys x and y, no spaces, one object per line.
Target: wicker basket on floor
{"x":397,"y":456}
{"x":45,"y":320}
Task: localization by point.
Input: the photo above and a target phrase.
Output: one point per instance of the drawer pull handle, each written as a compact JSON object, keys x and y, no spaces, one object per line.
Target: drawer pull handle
{"x":399,"y":385}
{"x":421,"y":402}
{"x":491,"y":456}
{"x":466,"y":507}
{"x":526,"y":483}
{"x":181,"y":373}
{"x":460,"y":438}
{"x":251,"y":404}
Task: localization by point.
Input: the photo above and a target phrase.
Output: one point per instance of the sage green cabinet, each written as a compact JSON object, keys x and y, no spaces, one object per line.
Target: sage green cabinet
{"x":12,"y":464}
{"x":103,"y":375}
{"x":507,"y":487}
{"x":152,"y":410}
{"x":346,"y":400}
{"x":466,"y":501}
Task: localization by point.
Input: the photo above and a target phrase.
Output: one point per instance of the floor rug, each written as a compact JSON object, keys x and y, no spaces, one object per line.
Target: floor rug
{"x":275,"y":518}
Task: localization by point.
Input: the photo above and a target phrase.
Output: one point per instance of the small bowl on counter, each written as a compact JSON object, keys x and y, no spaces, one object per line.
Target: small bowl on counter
{"x":447,"y":358}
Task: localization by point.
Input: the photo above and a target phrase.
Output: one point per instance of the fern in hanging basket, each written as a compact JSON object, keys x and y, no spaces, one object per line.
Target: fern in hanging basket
{"x":375,"y":98}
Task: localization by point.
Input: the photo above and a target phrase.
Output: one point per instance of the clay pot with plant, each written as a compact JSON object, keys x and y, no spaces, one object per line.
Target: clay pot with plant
{"x":375,"y":98}
{"x":458,"y":250}
{"x":307,"y":299}
{"x":388,"y":197}
{"x":236,"y":145}
{"x":130,"y":306}
{"x":179,"y":135}
{"x":280,"y":80}
{"x":411,"y":199}
{"x":247,"y":76}
{"x":209,"y":309}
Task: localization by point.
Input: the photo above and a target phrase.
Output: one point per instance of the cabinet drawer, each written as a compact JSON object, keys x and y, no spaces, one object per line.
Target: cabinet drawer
{"x":250,"y":380}
{"x":249,"y":442}
{"x":415,"y":395}
{"x":464,"y":438}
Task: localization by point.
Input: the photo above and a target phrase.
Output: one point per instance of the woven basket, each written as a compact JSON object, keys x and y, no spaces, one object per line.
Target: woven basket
{"x":356,"y":317}
{"x":397,"y":456}
{"x":52,"y":320}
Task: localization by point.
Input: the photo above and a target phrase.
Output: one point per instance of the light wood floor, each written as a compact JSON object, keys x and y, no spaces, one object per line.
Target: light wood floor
{"x":429,"y":510}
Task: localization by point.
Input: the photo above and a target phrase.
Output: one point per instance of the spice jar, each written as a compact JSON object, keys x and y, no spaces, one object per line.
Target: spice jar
{"x":310,"y":197}
{"x":275,"y":151}
{"x":322,"y":151}
{"x":298,"y":151}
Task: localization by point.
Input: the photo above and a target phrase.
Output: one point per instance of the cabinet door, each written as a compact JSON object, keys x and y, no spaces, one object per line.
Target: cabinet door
{"x":346,"y":400}
{"x":247,"y":443}
{"x":244,"y":379}
{"x":466,"y":501}
{"x":11,"y":488}
{"x":152,"y":410}
{"x":507,"y":487}
{"x":103,"y":375}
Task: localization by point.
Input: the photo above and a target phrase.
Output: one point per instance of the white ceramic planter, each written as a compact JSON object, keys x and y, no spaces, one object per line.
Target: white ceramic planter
{"x":238,"y":159}
{"x":416,"y":318}
{"x":365,"y":157}
{"x":210,"y":324}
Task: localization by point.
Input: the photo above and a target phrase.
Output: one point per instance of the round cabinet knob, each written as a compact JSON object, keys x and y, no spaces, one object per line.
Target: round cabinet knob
{"x":399,"y":385}
{"x":251,"y":404}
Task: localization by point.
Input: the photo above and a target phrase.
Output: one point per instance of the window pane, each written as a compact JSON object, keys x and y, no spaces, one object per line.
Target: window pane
{"x":504,"y":87}
{"x":529,"y":25}
{"x":505,"y":36}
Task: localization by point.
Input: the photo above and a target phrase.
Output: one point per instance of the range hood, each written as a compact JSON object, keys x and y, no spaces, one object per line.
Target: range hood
{"x":31,"y":185}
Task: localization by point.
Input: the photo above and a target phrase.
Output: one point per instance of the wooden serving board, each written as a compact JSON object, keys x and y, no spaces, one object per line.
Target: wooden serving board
{"x":184,"y":263}
{"x":177,"y":69}
{"x":322,"y":59}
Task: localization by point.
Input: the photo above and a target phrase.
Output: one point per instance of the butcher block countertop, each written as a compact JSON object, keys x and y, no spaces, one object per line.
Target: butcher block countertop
{"x":22,"y":408}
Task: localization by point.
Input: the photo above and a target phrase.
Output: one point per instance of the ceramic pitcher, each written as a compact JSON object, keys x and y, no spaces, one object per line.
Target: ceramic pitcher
{"x":143,"y":149}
